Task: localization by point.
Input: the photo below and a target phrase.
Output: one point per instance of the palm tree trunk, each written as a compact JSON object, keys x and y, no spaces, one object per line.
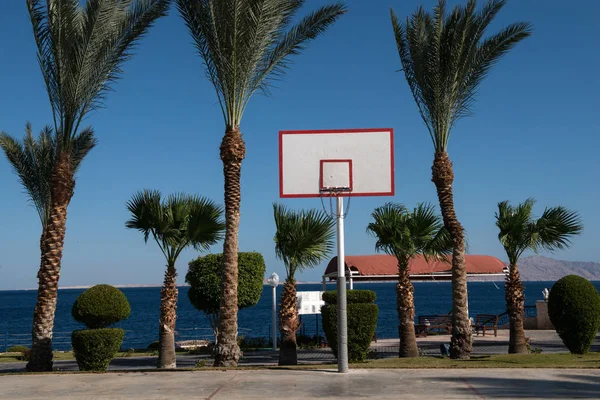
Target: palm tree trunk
{"x":52,"y":242}
{"x":406,"y":314}
{"x":288,"y":324}
{"x":168,"y":315}
{"x":443,"y":176}
{"x":233,"y":151}
{"x":515,"y":304}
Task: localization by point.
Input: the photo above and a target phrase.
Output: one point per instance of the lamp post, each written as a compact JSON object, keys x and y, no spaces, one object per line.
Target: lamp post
{"x":273,"y":281}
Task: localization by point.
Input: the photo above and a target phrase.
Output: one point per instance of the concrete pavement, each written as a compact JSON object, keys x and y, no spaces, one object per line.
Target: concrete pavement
{"x":295,"y":384}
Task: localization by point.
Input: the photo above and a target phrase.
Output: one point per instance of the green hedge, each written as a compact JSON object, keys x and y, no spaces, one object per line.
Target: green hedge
{"x":17,"y":349}
{"x":95,"y":348}
{"x":352,"y":296}
{"x":362,"y":322}
{"x":204,"y":277}
{"x":574,"y":309}
{"x":101,"y":306}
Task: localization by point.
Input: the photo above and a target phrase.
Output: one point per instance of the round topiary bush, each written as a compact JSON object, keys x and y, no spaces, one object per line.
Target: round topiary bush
{"x":362,"y":321}
{"x":101,"y":306}
{"x":95,"y":348}
{"x":574,"y":309}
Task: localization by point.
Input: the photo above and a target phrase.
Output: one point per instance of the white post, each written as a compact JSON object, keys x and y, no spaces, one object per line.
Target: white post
{"x":341,"y":292}
{"x":351,"y":280}
{"x":274,"y":322}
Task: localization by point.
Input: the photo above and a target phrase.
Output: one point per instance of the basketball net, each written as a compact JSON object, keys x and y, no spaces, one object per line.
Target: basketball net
{"x":332,"y":193}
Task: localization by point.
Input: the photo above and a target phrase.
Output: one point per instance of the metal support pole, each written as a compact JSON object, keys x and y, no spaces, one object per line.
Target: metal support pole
{"x":351,"y":281}
{"x":274,"y":322}
{"x":324,"y":285}
{"x":341,"y":292}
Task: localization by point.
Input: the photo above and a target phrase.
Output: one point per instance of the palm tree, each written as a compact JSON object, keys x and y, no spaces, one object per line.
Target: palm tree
{"x":80,"y":52}
{"x":244,"y":44}
{"x":178,"y":222}
{"x":303,"y":239}
{"x":33,"y":161}
{"x":520,"y":231}
{"x":444,"y":59}
{"x":406,"y":234}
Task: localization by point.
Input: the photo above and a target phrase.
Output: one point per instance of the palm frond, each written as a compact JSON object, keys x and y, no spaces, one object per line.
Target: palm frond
{"x":405,"y":234}
{"x":303,"y":239}
{"x":83,"y":143}
{"x":33,"y":162}
{"x":81,"y":50}
{"x":177,"y":222}
{"x":444,"y":59}
{"x":520,"y":231}
{"x":244,"y":45}
{"x":146,"y":212}
{"x":206,"y":226}
{"x":556,"y":226}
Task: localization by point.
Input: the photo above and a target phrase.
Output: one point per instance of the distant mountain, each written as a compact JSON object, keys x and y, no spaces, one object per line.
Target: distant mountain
{"x":539,"y":268}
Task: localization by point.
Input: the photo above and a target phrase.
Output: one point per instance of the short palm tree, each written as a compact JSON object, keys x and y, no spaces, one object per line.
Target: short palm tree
{"x":406,"y":234}
{"x":444,"y":59}
{"x":303,"y":240}
{"x":519,"y":232}
{"x":80,"y":52}
{"x":244,"y":44}
{"x":175,"y":223}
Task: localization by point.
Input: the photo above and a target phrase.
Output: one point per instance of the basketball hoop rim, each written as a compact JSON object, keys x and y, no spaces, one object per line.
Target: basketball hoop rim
{"x":333,"y":192}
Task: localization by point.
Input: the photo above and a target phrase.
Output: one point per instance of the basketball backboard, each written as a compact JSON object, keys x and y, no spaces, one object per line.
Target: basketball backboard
{"x":359,"y":162}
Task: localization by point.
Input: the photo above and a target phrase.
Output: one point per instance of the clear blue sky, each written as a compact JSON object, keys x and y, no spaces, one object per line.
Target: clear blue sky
{"x":535,"y":132}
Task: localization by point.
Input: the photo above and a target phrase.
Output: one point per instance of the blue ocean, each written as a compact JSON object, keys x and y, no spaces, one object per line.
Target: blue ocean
{"x":141,"y":328}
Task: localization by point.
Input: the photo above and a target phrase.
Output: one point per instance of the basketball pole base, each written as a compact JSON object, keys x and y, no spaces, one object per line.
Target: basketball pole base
{"x":341,"y":292}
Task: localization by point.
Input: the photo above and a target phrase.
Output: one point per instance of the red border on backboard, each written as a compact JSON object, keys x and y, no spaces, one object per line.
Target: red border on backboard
{"x":348,"y":161}
{"x":341,"y":131}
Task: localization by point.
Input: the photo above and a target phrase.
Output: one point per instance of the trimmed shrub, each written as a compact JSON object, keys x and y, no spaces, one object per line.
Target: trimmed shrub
{"x":574,"y":309}
{"x":362,"y":321}
{"x":352,"y":296}
{"x":204,"y":277}
{"x":17,"y":349}
{"x":101,"y":306}
{"x":154,"y":345}
{"x":95,"y":348}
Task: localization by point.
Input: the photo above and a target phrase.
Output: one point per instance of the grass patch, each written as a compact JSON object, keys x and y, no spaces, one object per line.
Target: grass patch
{"x":560,"y":360}
{"x":68,"y":355}
{"x":557,"y":360}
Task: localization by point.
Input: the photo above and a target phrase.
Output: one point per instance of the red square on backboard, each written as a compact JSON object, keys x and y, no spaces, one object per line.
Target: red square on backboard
{"x":335,"y":173}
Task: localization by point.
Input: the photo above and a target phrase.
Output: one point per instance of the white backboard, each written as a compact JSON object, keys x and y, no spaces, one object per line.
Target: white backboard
{"x":359,"y":159}
{"x":309,"y":302}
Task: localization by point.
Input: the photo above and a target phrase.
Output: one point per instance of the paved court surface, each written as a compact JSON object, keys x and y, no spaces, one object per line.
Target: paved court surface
{"x":294,"y":384}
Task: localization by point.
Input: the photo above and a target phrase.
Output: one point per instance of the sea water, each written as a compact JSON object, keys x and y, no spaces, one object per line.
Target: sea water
{"x":141,"y":328}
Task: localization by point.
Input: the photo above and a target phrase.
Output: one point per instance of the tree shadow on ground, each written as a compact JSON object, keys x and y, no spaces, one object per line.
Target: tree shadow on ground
{"x":554,"y":386}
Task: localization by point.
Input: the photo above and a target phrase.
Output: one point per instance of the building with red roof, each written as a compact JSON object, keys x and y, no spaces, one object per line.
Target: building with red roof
{"x":383,"y":267}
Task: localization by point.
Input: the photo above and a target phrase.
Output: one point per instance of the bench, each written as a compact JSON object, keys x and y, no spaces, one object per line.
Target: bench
{"x":430,"y":323}
{"x":486,"y":321}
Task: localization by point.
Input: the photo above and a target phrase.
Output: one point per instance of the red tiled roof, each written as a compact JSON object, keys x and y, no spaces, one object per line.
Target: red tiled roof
{"x":383,"y":264}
